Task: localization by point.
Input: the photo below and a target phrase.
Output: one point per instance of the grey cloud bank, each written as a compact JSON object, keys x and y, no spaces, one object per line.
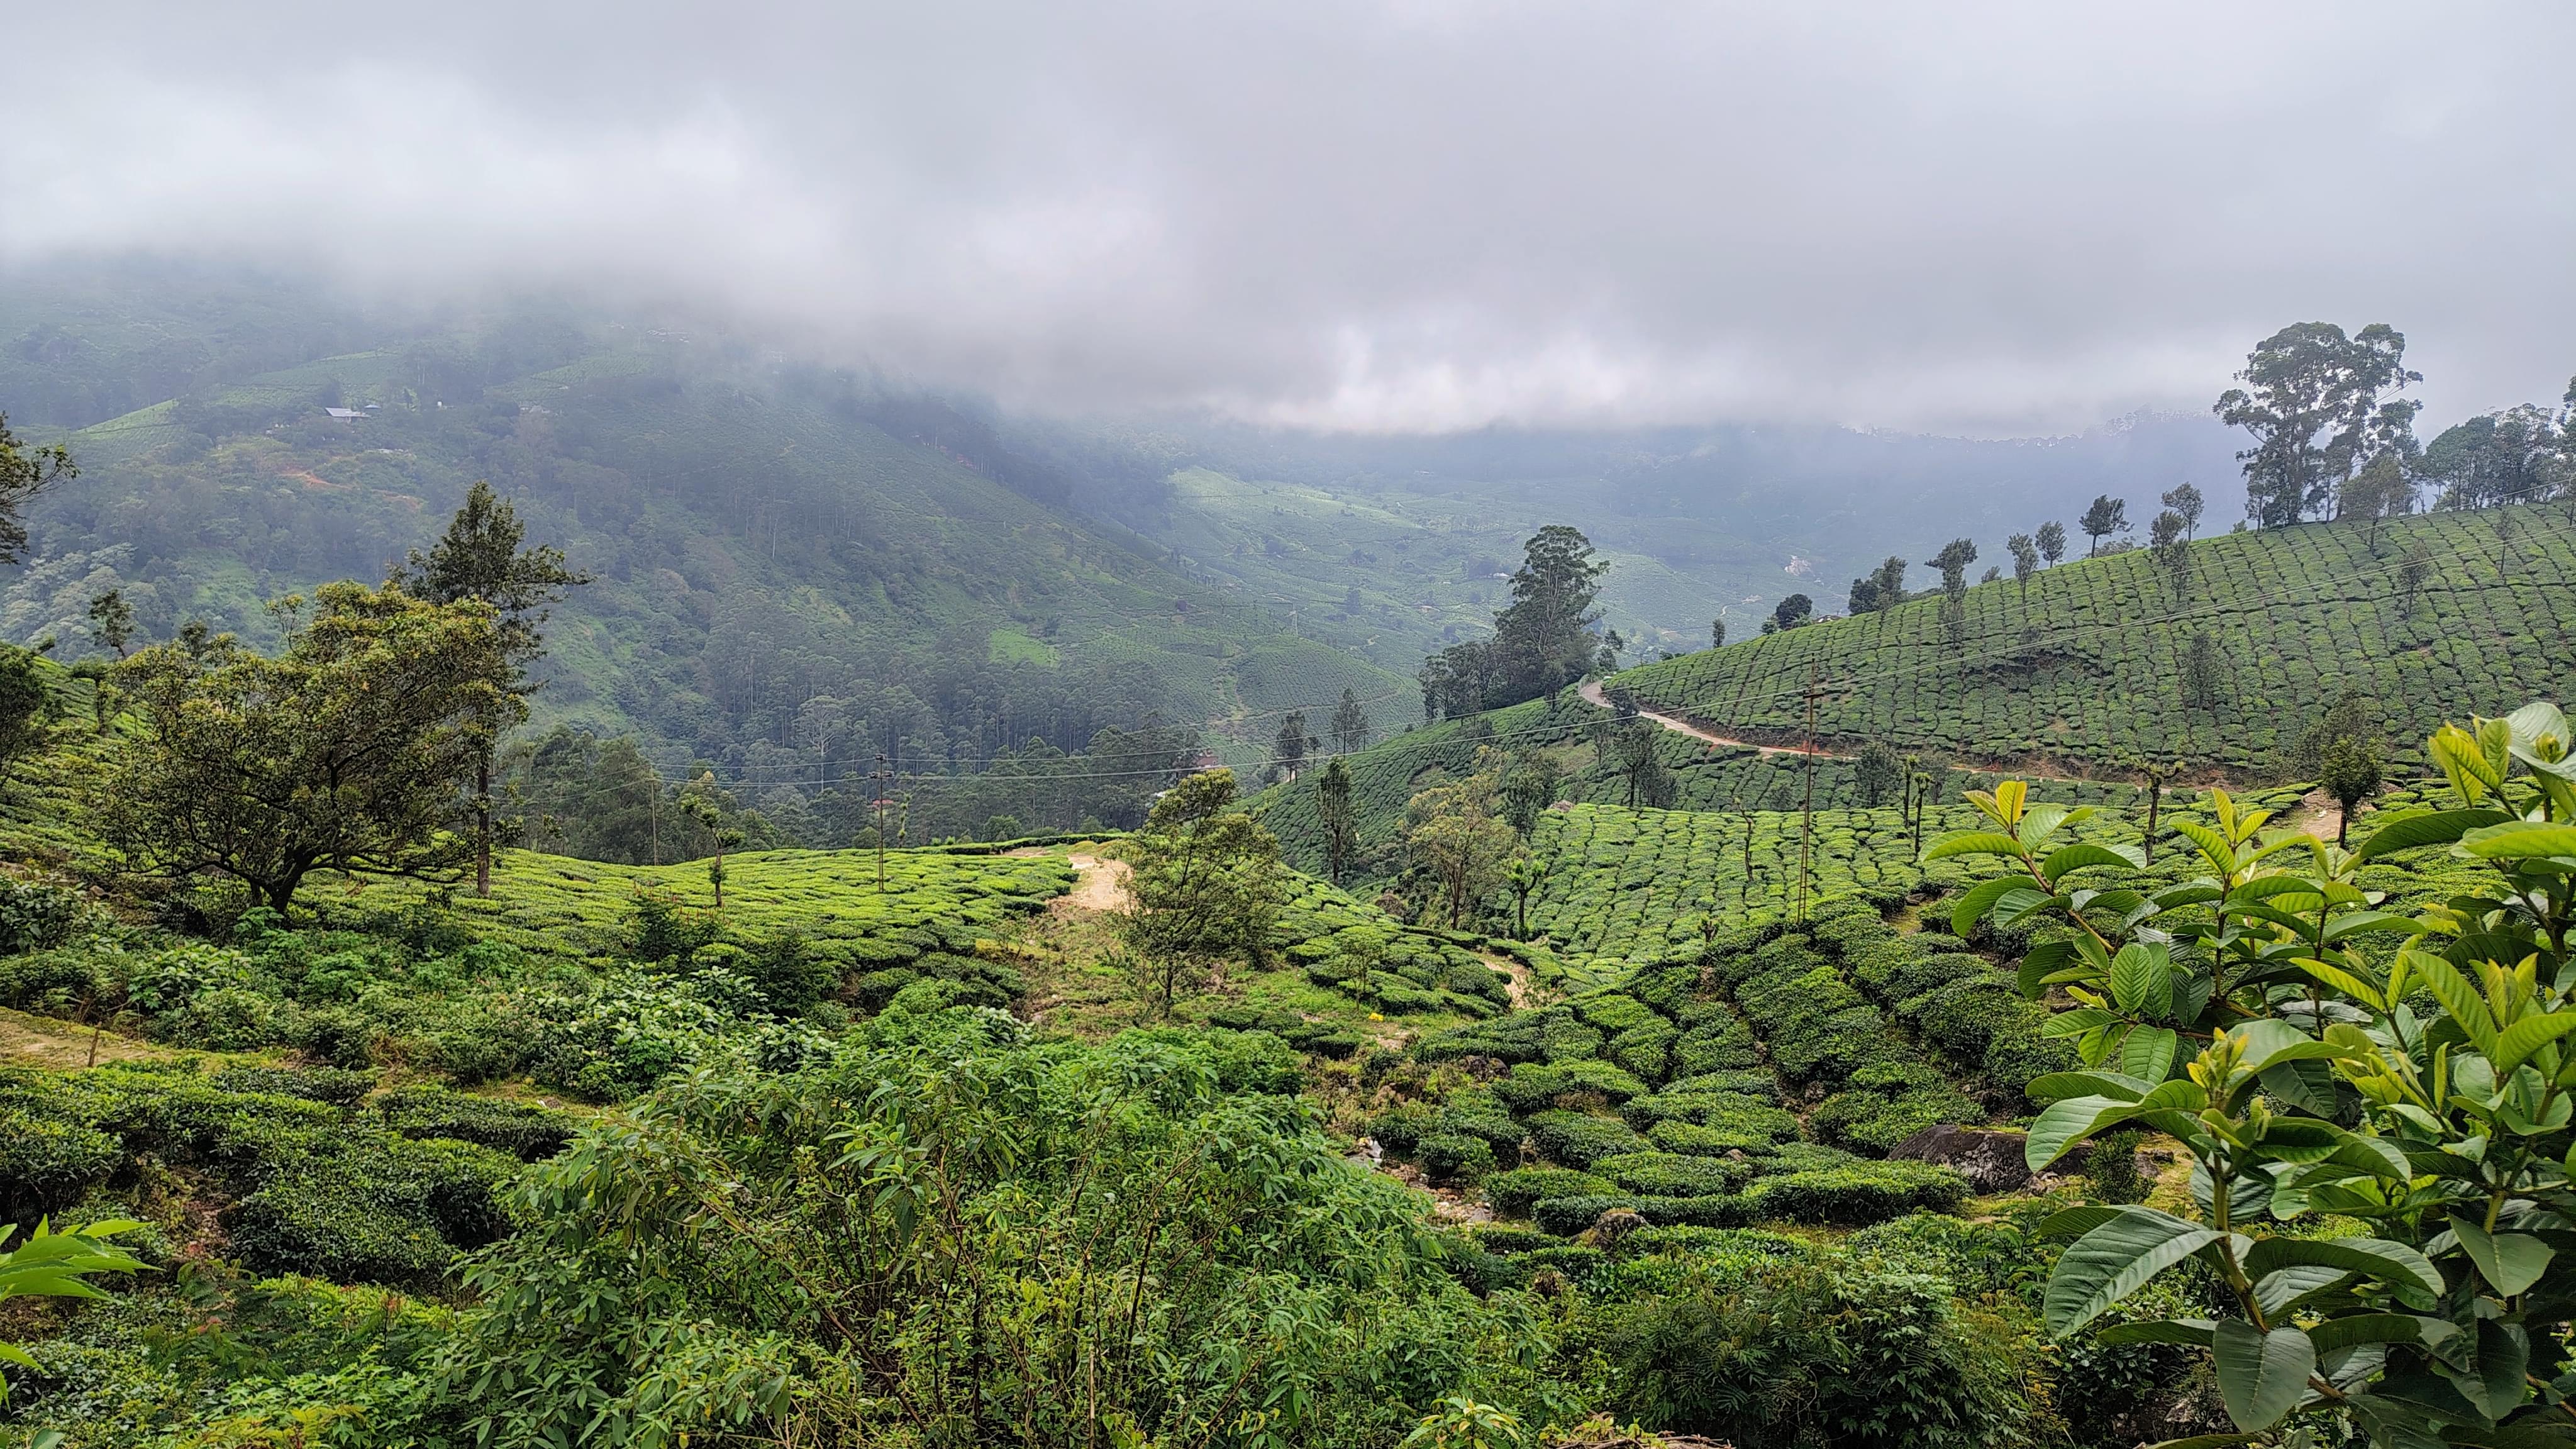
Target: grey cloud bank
{"x":1982,"y":218}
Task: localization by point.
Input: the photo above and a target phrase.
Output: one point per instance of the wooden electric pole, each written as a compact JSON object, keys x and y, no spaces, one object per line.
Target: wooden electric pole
{"x":1807,"y":822}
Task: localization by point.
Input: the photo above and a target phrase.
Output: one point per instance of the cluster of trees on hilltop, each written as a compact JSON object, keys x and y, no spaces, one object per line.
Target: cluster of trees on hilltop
{"x":1545,"y":639}
{"x":2330,"y":442}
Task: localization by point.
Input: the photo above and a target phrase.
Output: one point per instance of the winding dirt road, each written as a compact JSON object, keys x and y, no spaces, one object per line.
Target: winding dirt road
{"x":1593,"y":695}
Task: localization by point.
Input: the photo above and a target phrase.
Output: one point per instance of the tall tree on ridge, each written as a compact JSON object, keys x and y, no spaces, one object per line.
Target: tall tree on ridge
{"x":1341,"y":823}
{"x":1351,"y":727}
{"x":1953,"y":561}
{"x":2312,"y":401}
{"x":2106,"y":516}
{"x":2052,"y":541}
{"x":479,"y":558}
{"x":2185,"y":500}
{"x":2025,"y":557}
{"x":1288,"y":748}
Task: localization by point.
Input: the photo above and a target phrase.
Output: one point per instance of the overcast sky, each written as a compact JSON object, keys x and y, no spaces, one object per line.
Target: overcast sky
{"x":1416,"y":216}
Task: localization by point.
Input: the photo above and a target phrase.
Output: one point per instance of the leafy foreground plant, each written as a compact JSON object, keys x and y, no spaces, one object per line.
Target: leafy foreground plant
{"x":2324,"y":1061}
{"x":960,"y":1238}
{"x":56,"y":1265}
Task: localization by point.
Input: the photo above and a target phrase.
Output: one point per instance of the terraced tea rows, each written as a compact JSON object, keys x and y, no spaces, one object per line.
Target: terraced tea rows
{"x":2086,"y":668}
{"x":934,"y":900}
{"x":1760,"y":1076}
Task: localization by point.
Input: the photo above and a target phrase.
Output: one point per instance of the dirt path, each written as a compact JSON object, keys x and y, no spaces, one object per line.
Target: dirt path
{"x":1593,"y":695}
{"x":41,"y":1041}
{"x":1099,"y":885}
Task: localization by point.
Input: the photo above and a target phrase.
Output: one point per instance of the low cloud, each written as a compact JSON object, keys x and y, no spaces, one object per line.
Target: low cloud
{"x":1995,"y":218}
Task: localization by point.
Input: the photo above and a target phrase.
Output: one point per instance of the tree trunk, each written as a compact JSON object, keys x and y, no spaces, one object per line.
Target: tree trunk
{"x":483,"y":823}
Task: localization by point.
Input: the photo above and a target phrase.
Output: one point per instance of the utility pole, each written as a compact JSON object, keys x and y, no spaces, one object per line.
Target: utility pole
{"x":881,"y":779}
{"x":1807,"y":823}
{"x":2156,"y":777}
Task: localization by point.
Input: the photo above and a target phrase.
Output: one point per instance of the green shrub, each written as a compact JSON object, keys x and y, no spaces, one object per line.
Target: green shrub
{"x":1513,"y":1192}
{"x":313,"y":1084}
{"x":1757,"y":1084}
{"x":1496,"y":1238}
{"x":526,"y":1132}
{"x":1401,"y":1127}
{"x":46,"y":1164}
{"x":1576,"y":1140}
{"x":1717,"y":1047}
{"x":1667,"y":1174}
{"x":1535,"y":1085}
{"x":1614,"y":1013}
{"x":1645,"y":1050}
{"x":1858,"y":1195}
{"x":1567,"y":1216}
{"x":35,"y":916}
{"x":1455,"y":1157}
{"x":1573,"y":1260}
{"x":345,"y":1219}
{"x":1714,"y":1210}
{"x":1766,"y":1353}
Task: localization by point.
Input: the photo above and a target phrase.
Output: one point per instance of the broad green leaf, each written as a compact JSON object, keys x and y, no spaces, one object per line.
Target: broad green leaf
{"x":2061,"y":1125}
{"x":2463,"y":1001}
{"x":2021,"y":903}
{"x":2307,"y":1084}
{"x":2463,"y":762}
{"x":2142,"y":980}
{"x":2520,"y":839}
{"x":2087,"y":856}
{"x":2415,"y":830}
{"x":2504,"y":1357}
{"x":2042,"y":964}
{"x":2148,"y":1053}
{"x":2539,"y":731}
{"x":2267,"y":1040}
{"x":2515,"y":1044}
{"x":2377,"y":1257}
{"x":1973,"y":842}
{"x":2058,"y":1086}
{"x":2363,"y":923}
{"x":2075,"y":1222}
{"x":2261,"y":1376}
{"x":2192,"y":1331}
{"x":2344,"y":981}
{"x":2040,"y":821}
{"x":1981,"y":898}
{"x":2267,"y":887}
{"x":2510,"y":1262}
{"x":2113,"y":1260}
{"x":2344,"y":1332}
{"x":2008,"y":798}
{"x":2213,"y":846}
{"x":2276,"y":1291}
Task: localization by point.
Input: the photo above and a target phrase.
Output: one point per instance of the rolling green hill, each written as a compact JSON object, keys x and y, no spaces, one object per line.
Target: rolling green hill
{"x":2084,"y":673}
{"x":793,"y":573}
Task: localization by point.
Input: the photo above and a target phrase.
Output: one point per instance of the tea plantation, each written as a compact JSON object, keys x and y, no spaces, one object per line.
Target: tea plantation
{"x":2085,"y":669}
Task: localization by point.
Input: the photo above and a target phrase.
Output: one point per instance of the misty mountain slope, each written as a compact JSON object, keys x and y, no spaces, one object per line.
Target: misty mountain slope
{"x":782,"y":586}
{"x":2093,"y":669}
{"x":1696,"y":523}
